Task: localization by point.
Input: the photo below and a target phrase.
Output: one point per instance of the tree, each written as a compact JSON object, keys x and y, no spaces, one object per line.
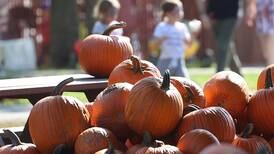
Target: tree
{"x":64,"y":32}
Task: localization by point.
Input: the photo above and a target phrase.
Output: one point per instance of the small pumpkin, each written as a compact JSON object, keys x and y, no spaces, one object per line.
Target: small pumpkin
{"x":16,"y":146}
{"x":214,"y":119}
{"x":150,"y":146}
{"x":222,"y":149}
{"x":196,"y":140}
{"x":133,"y":70}
{"x":57,"y":119}
{"x":99,"y":54}
{"x":108,"y":110}
{"x":229,"y":90}
{"x":94,"y":139}
{"x":191,"y":92}
{"x":190,"y":108}
{"x":260,"y":108}
{"x":262,"y":76}
{"x":154,"y":105}
{"x":250,"y":143}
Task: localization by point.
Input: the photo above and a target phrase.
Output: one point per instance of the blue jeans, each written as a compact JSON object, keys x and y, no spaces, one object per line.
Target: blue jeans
{"x":178,"y":70}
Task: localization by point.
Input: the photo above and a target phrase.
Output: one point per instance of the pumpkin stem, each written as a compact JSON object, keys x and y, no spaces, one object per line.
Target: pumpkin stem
{"x":137,"y":68}
{"x":268,"y":79}
{"x":166,"y":81}
{"x":15,"y":141}
{"x":190,"y":94}
{"x":147,"y":139}
{"x":110,"y":89}
{"x":112,"y":27}
{"x":58,"y":90}
{"x":247,"y":130}
{"x":110,"y":149}
{"x":191,"y":107}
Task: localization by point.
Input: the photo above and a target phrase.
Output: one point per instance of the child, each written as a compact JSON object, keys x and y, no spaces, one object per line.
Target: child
{"x":172,"y":36}
{"x":106,"y":12}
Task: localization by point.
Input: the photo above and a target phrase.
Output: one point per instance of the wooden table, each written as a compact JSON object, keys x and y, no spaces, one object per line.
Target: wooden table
{"x":35,"y":88}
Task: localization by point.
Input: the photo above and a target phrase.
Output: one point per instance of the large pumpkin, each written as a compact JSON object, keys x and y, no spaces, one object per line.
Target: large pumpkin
{"x":261,"y":107}
{"x":94,"y":139}
{"x":133,"y":70}
{"x":196,"y":140}
{"x":191,"y":92}
{"x":154,"y":105}
{"x":16,"y":146}
{"x":99,"y":54}
{"x":108,"y":110}
{"x":262,"y":76}
{"x":250,"y":143}
{"x":229,"y":90}
{"x":214,"y":119}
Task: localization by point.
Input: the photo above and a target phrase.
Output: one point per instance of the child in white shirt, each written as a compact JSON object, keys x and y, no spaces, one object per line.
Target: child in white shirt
{"x":107,"y":12}
{"x":172,"y":36}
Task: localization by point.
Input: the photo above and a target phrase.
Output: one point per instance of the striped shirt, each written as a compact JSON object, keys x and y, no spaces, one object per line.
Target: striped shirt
{"x":265,"y":16}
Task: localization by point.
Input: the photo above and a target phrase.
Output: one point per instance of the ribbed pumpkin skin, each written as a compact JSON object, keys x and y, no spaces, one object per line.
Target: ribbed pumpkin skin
{"x":251,"y":144}
{"x":94,"y":139}
{"x":228,"y":90}
{"x":222,"y":149}
{"x":214,"y":119}
{"x":124,"y":72}
{"x":152,"y":109}
{"x":108,"y":110}
{"x":99,"y":54}
{"x":260,"y":111}
{"x":162,"y":149}
{"x":57,"y":120}
{"x":20,"y":149}
{"x":198,"y":99}
{"x":262,"y":76}
{"x":271,"y":143}
{"x":196,"y":140}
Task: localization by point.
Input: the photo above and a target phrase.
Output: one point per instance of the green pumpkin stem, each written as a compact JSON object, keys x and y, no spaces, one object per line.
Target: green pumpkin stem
{"x":110,"y":149}
{"x":190,"y":94}
{"x":137,"y":68}
{"x":247,"y":130}
{"x":112,"y":27}
{"x":15,"y":141}
{"x":147,"y":139}
{"x":58,"y":90}
{"x":268,"y":79}
{"x":166,"y":81}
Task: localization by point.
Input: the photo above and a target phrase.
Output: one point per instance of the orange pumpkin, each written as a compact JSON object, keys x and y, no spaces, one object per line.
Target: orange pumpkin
{"x":222,"y":149}
{"x":260,"y":107}
{"x":262,"y":76}
{"x":99,"y":54}
{"x":94,"y":139}
{"x":190,"y":108}
{"x":250,"y":143}
{"x":191,"y":92}
{"x":229,"y":90}
{"x":150,"y":146}
{"x":109,"y":150}
{"x":89,"y":107}
{"x":196,"y":140}
{"x":214,"y":119}
{"x":154,"y":105}
{"x":271,"y":143}
{"x":16,"y":146}
{"x":108,"y":110}
{"x":133,"y":70}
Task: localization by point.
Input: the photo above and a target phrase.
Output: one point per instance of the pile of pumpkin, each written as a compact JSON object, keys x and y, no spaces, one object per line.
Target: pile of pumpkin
{"x":142,"y":111}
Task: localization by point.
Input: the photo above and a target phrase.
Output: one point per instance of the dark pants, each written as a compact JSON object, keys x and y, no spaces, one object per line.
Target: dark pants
{"x":226,"y":52}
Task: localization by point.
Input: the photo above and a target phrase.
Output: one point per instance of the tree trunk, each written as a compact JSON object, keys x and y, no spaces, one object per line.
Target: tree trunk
{"x":64,"y":32}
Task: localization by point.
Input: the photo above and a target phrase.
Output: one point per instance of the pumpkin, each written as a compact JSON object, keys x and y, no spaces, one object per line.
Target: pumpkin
{"x":108,"y":110}
{"x":109,"y":150}
{"x":214,"y":119}
{"x":250,"y":143}
{"x":191,"y":92}
{"x":150,"y":146}
{"x":99,"y":54}
{"x":94,"y":139}
{"x":262,"y":76}
{"x":229,"y":90}
{"x":154,"y":105}
{"x":222,"y":149}
{"x":56,"y":120}
{"x":89,"y":107}
{"x":271,"y":143}
{"x":16,"y":146}
{"x":196,"y":140}
{"x":260,"y":108}
{"x":63,"y":149}
{"x":133,"y":70}
{"x":190,"y":108}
